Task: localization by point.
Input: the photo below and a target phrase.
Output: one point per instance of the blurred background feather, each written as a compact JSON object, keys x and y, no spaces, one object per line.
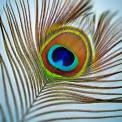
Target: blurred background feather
{"x":28,"y":94}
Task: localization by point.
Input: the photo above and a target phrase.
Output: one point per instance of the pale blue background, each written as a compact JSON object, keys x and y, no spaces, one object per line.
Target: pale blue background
{"x":99,"y":6}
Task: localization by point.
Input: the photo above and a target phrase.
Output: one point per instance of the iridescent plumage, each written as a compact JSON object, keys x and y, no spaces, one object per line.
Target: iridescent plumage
{"x":36,"y":88}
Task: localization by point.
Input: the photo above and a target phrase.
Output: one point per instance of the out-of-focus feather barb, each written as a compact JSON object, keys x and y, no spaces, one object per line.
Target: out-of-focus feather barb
{"x":28,"y":92}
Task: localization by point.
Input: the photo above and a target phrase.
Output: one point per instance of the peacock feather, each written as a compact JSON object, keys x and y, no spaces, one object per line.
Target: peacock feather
{"x":59,"y":62}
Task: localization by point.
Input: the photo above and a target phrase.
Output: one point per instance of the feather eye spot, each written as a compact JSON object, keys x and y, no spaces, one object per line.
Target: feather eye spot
{"x":67,"y":52}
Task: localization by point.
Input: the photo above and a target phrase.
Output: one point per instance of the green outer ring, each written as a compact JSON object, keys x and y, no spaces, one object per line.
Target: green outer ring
{"x":77,"y":31}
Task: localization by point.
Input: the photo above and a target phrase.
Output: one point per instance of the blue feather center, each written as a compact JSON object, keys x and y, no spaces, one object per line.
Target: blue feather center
{"x":61,"y":58}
